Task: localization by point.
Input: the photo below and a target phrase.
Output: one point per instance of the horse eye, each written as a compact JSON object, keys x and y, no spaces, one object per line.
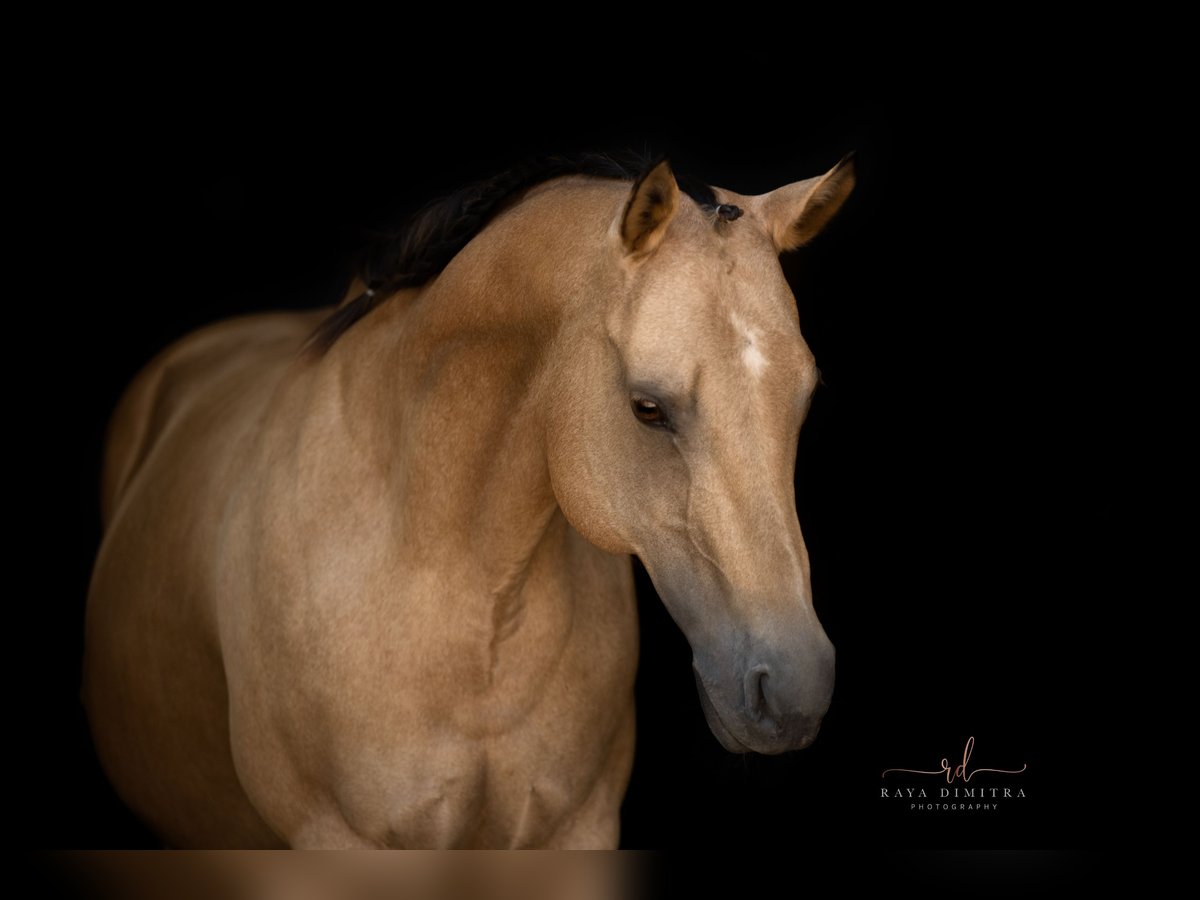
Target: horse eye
{"x":648,"y":411}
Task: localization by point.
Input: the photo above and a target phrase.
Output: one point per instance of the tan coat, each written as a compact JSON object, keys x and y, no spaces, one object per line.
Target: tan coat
{"x":381,"y":595}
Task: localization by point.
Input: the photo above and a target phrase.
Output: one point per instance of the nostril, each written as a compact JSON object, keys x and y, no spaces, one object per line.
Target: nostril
{"x":756,"y":691}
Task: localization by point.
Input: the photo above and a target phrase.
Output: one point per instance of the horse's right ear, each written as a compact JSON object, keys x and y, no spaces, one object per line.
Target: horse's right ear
{"x":795,"y":213}
{"x":652,"y":204}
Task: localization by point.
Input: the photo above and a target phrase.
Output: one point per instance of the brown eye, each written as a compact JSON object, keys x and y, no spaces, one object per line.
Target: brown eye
{"x":648,"y":411}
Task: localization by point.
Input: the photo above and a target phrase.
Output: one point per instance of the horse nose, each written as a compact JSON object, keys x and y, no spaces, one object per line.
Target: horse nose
{"x":788,"y":692}
{"x":756,"y":691}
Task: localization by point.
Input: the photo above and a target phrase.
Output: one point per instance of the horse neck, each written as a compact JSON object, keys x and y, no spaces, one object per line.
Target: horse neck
{"x":444,"y":388}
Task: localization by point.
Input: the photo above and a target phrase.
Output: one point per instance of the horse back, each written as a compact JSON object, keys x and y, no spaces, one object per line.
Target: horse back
{"x":245,"y":348}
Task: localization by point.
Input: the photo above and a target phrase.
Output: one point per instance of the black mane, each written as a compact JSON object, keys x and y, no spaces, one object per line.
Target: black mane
{"x":434,"y":236}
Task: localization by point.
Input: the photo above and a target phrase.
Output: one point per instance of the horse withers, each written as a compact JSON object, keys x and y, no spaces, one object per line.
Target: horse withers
{"x":365,"y":577}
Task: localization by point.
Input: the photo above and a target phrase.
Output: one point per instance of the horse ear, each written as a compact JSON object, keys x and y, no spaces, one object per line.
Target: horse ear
{"x":652,"y":203}
{"x":796,"y":213}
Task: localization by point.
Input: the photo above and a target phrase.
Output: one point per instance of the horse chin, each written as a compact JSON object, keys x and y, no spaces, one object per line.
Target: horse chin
{"x":715,"y":724}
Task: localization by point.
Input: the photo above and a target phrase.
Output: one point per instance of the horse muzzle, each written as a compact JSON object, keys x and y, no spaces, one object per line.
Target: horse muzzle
{"x":772,"y":705}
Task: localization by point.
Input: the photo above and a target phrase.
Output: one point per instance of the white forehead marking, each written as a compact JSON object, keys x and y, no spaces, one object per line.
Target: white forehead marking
{"x":752,"y":355}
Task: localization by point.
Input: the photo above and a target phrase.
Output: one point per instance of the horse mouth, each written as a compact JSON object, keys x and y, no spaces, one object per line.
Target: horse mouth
{"x":715,"y":724}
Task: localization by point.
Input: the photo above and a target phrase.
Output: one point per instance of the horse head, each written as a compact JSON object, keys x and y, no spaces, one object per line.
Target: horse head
{"x":674,"y":438}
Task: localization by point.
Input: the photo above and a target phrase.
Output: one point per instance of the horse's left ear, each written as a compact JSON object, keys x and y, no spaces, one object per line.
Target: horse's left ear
{"x":796,"y":213}
{"x":652,"y":204}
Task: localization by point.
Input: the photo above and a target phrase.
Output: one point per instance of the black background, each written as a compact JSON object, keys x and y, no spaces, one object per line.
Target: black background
{"x":950,"y":476}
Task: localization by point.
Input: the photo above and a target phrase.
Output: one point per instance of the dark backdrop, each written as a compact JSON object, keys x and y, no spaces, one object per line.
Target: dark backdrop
{"x":950,"y":474}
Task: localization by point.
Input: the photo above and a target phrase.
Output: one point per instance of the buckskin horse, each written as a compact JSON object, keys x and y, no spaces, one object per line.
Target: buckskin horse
{"x":365,"y":577}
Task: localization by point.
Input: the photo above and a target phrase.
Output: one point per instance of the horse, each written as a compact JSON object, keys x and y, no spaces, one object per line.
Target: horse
{"x":365,"y":577}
